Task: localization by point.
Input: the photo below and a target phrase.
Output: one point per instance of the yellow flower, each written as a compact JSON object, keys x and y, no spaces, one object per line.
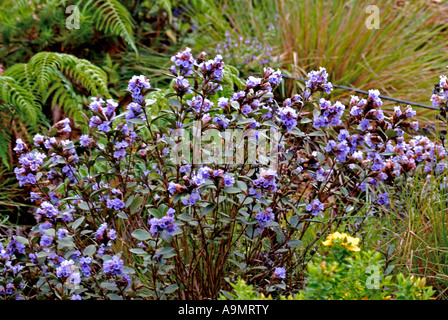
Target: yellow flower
{"x":344,"y":239}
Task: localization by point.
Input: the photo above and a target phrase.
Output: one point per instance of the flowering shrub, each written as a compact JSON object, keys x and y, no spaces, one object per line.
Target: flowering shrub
{"x":246,"y":51}
{"x":345,"y":273}
{"x":123,"y":214}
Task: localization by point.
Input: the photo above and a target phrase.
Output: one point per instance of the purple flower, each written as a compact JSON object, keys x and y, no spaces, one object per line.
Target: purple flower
{"x":192,"y":199}
{"x":84,"y":263}
{"x":315,"y":207}
{"x":212,"y":69}
{"x":47,"y":209}
{"x":409,"y":112}
{"x":136,"y":85}
{"x":318,"y":80}
{"x":95,"y":121}
{"x":184,"y":61}
{"x":252,"y":82}
{"x":66,"y":125}
{"x":65,"y":269}
{"x":255,"y":193}
{"x":20,"y":146}
{"x":111,"y":106}
{"x":182,"y":86}
{"x":279,"y":273}
{"x":320,"y":121}
{"x":364,"y":124}
{"x":266,"y":180}
{"x":46,"y":240}
{"x":172,"y":187}
{"x":85,"y":140}
{"x":185,"y":168}
{"x":246,"y":109}
{"x":12,"y":247}
{"x":275,"y":77}
{"x":116,"y":204}
{"x":223,"y":102}
{"x":62,"y":233}
{"x":228,"y":181}
{"x":264,"y":217}
{"x":414,"y":125}
{"x":38,"y":139}
{"x":356,"y":111}
{"x":289,"y":117}
{"x":165,"y":223}
{"x":104,"y":126}
{"x":50,"y":142}
{"x":199,"y":104}
{"x":374,"y":95}
{"x":96,"y":104}
{"x":113,"y":266}
{"x":330,"y":145}
{"x":100,"y":231}
{"x":34,"y":196}
{"x":223,"y":122}
{"x":383,"y":199}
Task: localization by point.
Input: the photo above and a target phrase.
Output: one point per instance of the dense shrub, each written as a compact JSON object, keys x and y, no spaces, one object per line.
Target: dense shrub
{"x":128,"y":211}
{"x":346,"y":273}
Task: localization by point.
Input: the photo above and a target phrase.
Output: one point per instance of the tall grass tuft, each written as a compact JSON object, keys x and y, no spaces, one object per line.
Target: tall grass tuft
{"x":400,"y":58}
{"x":423,"y":238}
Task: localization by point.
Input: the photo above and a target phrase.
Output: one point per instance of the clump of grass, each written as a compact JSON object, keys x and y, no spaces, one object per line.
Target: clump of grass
{"x":423,"y":240}
{"x":400,"y":58}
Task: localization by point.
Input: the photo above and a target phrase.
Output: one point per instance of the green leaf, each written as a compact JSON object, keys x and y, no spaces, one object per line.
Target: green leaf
{"x":185,"y":217}
{"x":138,"y":251}
{"x":83,"y":205}
{"x":141,"y":234}
{"x":171,"y":288}
{"x":294,"y":243}
{"x":231,"y":190}
{"x":122,"y":215}
{"x":22,"y":240}
{"x":174,"y":103}
{"x":280,"y":236}
{"x":166,"y":236}
{"x":155,"y":213}
{"x":109,"y":286}
{"x":90,"y":250}
{"x":317,"y":134}
{"x":165,"y":250}
{"x":390,"y":250}
{"x":305,"y":120}
{"x":209,"y":208}
{"x":77,"y":223}
{"x":242,"y":185}
{"x":136,"y":204}
{"x":391,"y":133}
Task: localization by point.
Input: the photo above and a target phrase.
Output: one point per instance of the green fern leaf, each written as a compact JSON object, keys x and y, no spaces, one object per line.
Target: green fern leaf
{"x":113,"y":17}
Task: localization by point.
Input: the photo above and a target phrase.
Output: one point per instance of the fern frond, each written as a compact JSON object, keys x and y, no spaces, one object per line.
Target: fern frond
{"x":43,"y":64}
{"x":24,"y":102}
{"x":88,"y":75}
{"x":49,"y":78}
{"x":113,"y":17}
{"x":64,"y":95}
{"x":5,"y":137}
